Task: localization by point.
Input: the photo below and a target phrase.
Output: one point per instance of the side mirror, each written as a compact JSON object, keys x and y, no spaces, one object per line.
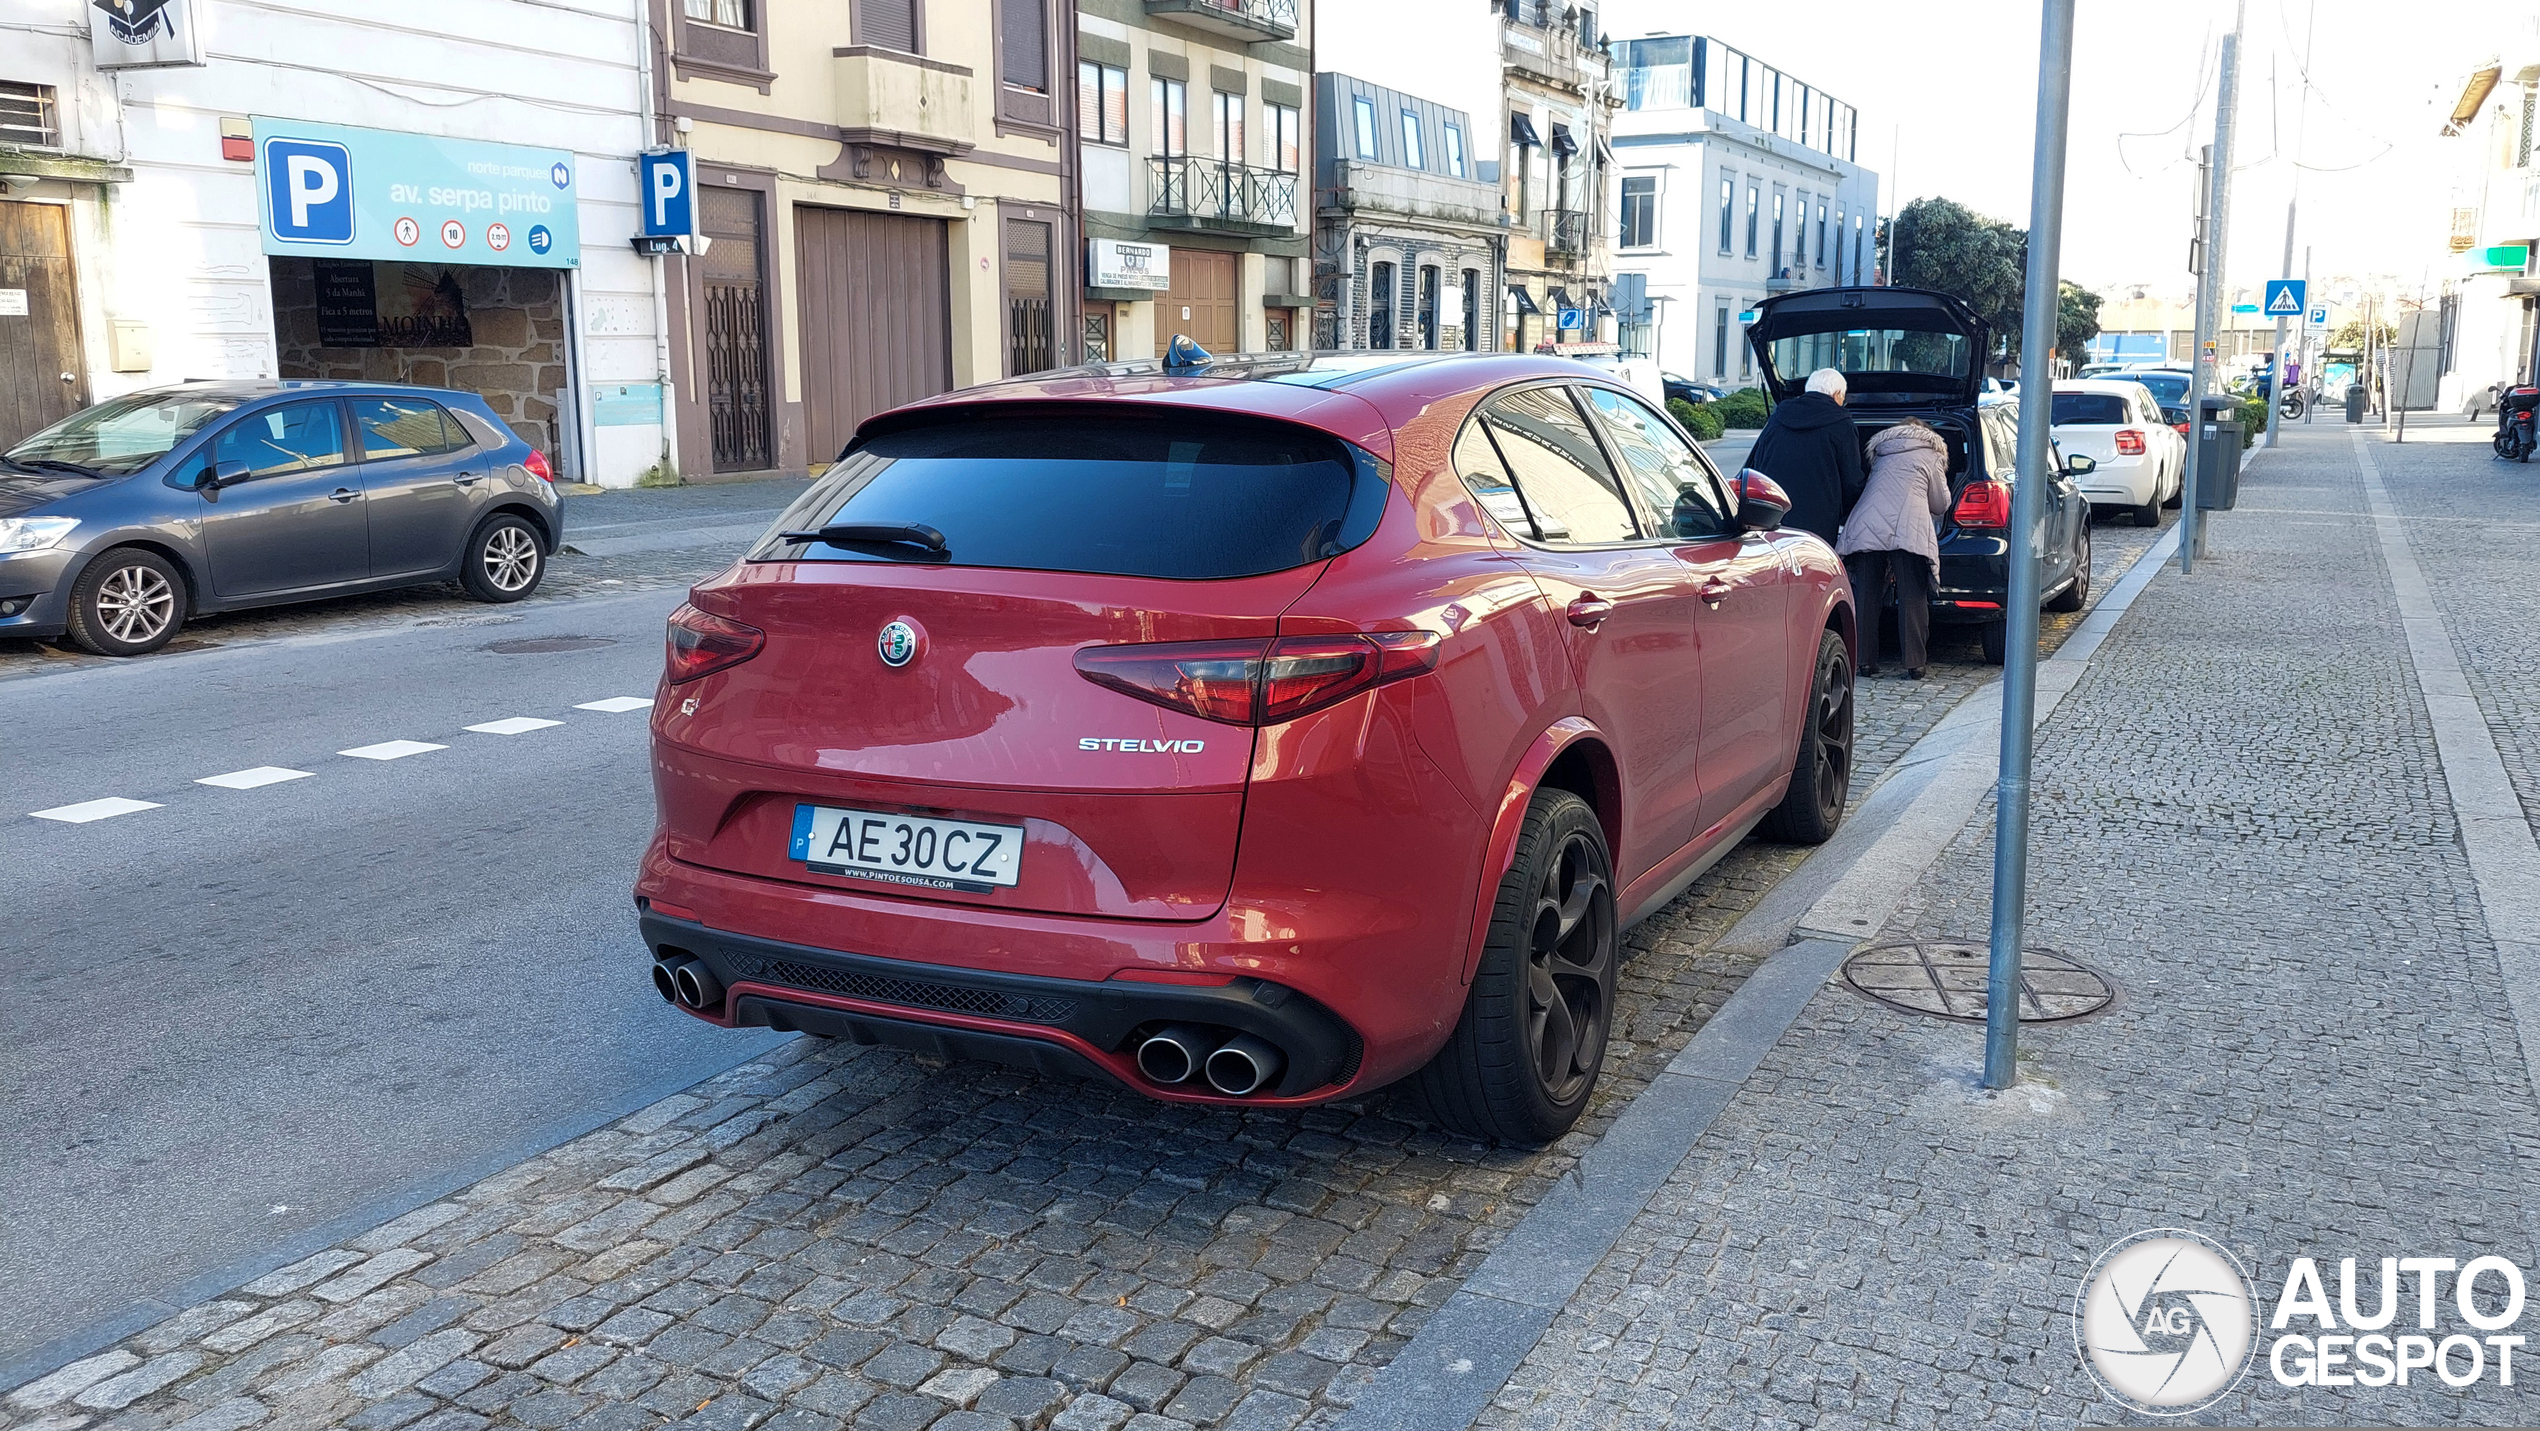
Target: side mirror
{"x":1761,"y":502}
{"x":2080,"y":464}
{"x":219,"y":475}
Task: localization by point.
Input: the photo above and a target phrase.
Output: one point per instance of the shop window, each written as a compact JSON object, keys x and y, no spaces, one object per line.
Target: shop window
{"x":1640,"y":210}
{"x":888,"y":24}
{"x":1380,"y":296}
{"x":1029,"y":335}
{"x":1169,"y":124}
{"x":28,"y":116}
{"x":1102,"y":102}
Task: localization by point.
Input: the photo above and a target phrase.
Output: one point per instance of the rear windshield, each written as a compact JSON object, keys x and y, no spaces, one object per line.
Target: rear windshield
{"x":2088,"y":408}
{"x":1185,"y":498}
{"x":1873,"y":350}
{"x":2169,"y":388}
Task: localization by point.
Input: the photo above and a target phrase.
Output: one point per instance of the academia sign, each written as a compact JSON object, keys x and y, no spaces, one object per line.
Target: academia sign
{"x":331,"y":191}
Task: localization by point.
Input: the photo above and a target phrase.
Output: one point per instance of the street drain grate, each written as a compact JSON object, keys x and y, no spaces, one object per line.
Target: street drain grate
{"x":547,"y":645}
{"x":1945,"y":978}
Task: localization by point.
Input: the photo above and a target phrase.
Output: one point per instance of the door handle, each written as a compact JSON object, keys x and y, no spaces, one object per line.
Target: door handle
{"x":341,"y":495}
{"x":467,"y":479}
{"x":1714,"y":592}
{"x":1588,"y":608}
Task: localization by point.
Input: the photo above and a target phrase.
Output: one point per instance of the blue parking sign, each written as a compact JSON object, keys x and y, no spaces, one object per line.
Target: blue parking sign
{"x":669,"y":194}
{"x":309,"y":190}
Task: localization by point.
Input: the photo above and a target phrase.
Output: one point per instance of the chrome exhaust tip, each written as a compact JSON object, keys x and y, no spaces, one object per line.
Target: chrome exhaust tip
{"x":696,"y":985}
{"x":663,"y":983}
{"x":1242,"y":1065}
{"x":1174,"y":1053}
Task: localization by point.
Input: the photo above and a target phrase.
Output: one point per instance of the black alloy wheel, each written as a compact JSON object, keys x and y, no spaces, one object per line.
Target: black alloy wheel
{"x":1821,"y":779}
{"x":1570,"y":969}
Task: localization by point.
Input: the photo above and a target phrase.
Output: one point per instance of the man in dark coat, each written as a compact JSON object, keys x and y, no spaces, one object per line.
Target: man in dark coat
{"x":1811,"y":448}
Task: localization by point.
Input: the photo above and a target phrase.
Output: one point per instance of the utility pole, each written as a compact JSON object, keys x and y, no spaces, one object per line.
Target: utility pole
{"x":2037,"y":454}
{"x":2301,"y":326}
{"x":2275,"y":379}
{"x":2310,"y":362}
{"x":2210,"y":292}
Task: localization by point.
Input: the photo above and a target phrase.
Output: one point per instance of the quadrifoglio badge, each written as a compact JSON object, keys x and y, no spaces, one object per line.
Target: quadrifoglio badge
{"x":2167,"y":1322}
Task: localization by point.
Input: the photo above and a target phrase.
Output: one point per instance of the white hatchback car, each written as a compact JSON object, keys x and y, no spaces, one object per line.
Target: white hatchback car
{"x":2142,"y":459}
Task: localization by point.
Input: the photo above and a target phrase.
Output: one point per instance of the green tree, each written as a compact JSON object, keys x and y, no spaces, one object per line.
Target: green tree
{"x":2349,"y":338}
{"x":2076,"y":323}
{"x":1944,"y":245}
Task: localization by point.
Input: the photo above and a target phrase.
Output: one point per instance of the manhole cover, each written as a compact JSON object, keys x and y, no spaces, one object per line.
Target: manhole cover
{"x":1945,"y":978}
{"x":547,"y":645}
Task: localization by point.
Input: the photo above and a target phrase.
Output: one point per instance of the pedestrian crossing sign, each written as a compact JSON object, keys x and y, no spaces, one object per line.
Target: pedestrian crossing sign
{"x":2285,"y":297}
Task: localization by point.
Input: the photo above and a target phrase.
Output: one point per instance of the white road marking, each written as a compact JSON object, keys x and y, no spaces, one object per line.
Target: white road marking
{"x":390,"y":750}
{"x":616,"y":705}
{"x":513,"y":725}
{"x":87,"y":810}
{"x":251,"y":779}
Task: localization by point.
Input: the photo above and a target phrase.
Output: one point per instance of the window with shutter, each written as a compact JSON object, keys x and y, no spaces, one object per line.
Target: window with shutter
{"x":888,"y":24}
{"x":1024,"y":25}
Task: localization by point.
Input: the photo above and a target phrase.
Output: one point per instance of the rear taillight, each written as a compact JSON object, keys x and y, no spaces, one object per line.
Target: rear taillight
{"x":2179,"y":427}
{"x":700,"y":644}
{"x":1983,"y":504}
{"x":1259,"y":682}
{"x":2129,"y":442}
{"x":536,"y":462}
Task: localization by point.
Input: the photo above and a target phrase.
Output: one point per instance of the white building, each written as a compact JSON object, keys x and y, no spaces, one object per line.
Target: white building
{"x":459,"y":212}
{"x":1738,"y":181}
{"x":2491,"y":302}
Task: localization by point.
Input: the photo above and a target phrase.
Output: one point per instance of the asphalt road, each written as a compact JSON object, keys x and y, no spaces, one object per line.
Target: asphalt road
{"x":248,"y":1018}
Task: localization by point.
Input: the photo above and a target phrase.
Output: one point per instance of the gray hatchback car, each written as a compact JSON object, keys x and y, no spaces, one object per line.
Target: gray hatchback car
{"x":122,"y":520}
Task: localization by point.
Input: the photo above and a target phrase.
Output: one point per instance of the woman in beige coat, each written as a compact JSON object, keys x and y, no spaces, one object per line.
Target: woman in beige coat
{"x":1890,"y":533}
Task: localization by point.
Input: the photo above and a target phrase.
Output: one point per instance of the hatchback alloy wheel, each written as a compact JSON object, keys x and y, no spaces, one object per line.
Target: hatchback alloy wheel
{"x":135,"y":604}
{"x":129,"y":602}
{"x":511,"y":559}
{"x":1570,"y":962}
{"x":504,"y":560}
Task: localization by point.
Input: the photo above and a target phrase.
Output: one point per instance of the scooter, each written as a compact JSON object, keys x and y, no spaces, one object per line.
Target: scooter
{"x":2518,"y":424}
{"x":2291,"y":403}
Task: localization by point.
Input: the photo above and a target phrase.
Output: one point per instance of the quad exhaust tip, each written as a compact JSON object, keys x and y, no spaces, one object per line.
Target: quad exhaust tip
{"x":685,"y":980}
{"x":1243,"y":1064}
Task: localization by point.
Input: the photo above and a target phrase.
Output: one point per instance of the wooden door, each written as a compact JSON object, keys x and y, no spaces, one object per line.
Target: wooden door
{"x":736,"y":330}
{"x":1200,"y":303}
{"x":43,"y":373}
{"x":876,"y":317}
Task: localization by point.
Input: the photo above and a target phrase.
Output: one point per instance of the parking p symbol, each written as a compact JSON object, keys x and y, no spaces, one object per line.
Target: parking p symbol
{"x":308,"y":190}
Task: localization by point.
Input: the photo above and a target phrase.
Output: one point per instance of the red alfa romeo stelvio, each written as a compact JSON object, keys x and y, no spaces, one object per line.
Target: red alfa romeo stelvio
{"x":1254,"y":732}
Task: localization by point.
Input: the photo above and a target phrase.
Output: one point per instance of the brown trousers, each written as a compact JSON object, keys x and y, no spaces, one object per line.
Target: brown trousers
{"x":1870,"y":573}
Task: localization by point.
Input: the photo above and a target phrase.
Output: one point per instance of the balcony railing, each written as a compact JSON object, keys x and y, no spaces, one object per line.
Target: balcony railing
{"x":1565,"y":231}
{"x":1246,"y":21}
{"x":1212,"y":194}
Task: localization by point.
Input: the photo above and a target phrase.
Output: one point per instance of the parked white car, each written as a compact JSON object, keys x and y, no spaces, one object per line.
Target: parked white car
{"x":2142,"y":459}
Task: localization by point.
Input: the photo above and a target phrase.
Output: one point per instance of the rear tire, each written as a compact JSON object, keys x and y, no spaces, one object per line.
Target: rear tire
{"x":2076,"y":595}
{"x":2149,"y":513}
{"x":1996,"y":636}
{"x":505,"y":560}
{"x":1821,"y":778}
{"x":1543,"y":998}
{"x":129,"y":602}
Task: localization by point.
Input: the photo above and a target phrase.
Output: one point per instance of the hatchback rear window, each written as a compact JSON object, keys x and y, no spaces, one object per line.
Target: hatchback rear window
{"x":1120,"y":494}
{"x":2169,"y":388}
{"x":2091,"y":408}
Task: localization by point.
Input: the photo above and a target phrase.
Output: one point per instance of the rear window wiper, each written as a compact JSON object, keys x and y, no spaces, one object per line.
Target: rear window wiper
{"x":878,"y":534}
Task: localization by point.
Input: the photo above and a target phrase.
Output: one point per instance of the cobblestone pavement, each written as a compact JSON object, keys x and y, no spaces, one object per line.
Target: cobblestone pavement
{"x":2240,"y":814}
{"x":570,"y":576}
{"x":849,"y":1236}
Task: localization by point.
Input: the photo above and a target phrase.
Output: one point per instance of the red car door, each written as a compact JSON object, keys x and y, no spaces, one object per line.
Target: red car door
{"x":1628,"y":603}
{"x":1740,"y":609}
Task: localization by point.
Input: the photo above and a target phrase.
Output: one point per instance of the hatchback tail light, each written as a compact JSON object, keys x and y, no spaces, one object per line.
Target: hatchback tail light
{"x":2129,"y":442}
{"x":1259,"y":682}
{"x":536,"y":462}
{"x":1983,"y":504}
{"x":701,"y":644}
{"x":2179,"y":427}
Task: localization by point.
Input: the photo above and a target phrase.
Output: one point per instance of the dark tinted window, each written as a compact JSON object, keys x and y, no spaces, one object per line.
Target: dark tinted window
{"x":297,"y":438}
{"x":2102,"y":408}
{"x":405,"y":427}
{"x":1125,"y":495}
{"x":1675,"y":485}
{"x":2170,"y":388}
{"x":1570,"y":494}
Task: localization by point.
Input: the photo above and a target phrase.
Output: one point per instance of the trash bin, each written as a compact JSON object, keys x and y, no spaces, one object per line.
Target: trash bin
{"x":2218,"y":456}
{"x":2355,"y":401}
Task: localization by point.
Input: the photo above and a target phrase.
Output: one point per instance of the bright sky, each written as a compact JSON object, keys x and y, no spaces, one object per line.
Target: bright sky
{"x":1947,"y":91}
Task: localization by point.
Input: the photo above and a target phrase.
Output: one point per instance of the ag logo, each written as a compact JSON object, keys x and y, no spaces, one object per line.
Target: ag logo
{"x":2166,"y":1321}
{"x":898,"y":644}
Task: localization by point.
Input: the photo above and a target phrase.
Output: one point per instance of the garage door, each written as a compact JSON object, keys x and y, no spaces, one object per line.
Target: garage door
{"x":876,"y":318}
{"x":1201,"y":302}
{"x":40,"y":381}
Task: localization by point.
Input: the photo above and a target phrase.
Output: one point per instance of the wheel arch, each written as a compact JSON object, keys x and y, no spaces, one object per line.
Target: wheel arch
{"x":514,"y":507}
{"x":1570,"y":754}
{"x":174,"y":555}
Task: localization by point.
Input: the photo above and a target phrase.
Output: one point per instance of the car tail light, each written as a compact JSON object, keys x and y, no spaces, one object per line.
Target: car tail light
{"x":701,"y":644}
{"x":2179,"y":427}
{"x":2129,"y":442}
{"x":536,"y":462}
{"x":1983,"y":504}
{"x":1259,"y":682}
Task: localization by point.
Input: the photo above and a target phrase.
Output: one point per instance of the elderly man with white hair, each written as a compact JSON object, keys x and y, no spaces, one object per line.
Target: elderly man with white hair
{"x":1811,"y":448}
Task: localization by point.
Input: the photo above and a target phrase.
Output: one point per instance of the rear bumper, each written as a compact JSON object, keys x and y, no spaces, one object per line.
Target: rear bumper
{"x":2123,"y":481}
{"x":1077,"y":1026}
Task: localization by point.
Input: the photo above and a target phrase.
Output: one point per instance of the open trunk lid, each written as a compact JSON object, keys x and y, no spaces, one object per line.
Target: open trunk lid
{"x":1893,"y":346}
{"x":940,"y":691}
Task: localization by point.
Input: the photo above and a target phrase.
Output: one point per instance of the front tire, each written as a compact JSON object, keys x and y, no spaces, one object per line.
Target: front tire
{"x":1821,"y":779}
{"x":129,"y":602}
{"x":505,"y":561}
{"x":1526,"y":1053}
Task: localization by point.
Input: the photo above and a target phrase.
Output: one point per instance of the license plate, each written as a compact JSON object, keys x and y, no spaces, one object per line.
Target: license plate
{"x":908,"y":849}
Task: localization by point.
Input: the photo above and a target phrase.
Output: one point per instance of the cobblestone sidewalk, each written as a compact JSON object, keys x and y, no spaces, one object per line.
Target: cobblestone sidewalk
{"x":844,"y":1236}
{"x":2239,"y":812}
